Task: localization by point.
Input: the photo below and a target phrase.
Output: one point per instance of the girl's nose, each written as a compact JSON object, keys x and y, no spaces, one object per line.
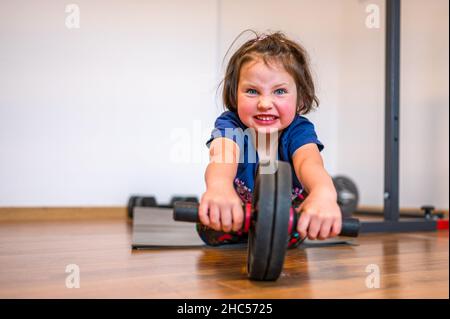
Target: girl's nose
{"x":264,"y":103}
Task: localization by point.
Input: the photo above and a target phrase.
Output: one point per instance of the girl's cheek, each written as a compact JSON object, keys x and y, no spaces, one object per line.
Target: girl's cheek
{"x":289,"y":110}
{"x":244,"y":112}
{"x":244,"y":105}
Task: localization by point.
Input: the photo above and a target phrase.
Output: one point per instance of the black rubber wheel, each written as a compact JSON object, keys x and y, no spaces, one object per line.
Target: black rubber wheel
{"x":260,"y":232}
{"x":280,"y":236}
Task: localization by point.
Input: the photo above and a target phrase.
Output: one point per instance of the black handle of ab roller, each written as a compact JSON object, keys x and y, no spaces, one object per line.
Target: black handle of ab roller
{"x":350,"y":227}
{"x":188,"y":212}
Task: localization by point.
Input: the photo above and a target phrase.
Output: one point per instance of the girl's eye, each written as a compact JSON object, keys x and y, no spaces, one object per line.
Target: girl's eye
{"x":280,"y":91}
{"x":251,"y":91}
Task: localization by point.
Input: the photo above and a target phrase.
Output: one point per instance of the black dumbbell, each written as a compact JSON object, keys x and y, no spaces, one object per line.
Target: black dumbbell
{"x":269,"y":221}
{"x":191,"y":199}
{"x":429,"y":212}
{"x":140,"y":201}
{"x":347,"y":195}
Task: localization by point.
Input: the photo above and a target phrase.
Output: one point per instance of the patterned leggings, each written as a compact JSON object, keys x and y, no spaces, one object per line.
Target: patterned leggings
{"x":213,"y":237}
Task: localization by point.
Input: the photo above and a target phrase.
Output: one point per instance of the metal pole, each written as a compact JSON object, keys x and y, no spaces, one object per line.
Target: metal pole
{"x":392,"y":116}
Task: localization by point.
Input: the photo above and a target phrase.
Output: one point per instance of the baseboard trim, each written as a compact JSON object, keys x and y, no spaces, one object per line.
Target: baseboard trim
{"x":60,"y":213}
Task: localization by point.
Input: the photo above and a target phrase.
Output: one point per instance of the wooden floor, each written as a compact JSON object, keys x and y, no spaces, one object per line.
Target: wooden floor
{"x":34,"y":256}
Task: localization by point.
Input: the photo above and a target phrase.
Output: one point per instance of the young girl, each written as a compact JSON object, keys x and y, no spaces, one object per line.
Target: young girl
{"x":267,"y":88}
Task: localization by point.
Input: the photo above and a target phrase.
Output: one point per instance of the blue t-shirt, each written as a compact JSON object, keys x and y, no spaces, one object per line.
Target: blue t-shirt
{"x":298,"y":133}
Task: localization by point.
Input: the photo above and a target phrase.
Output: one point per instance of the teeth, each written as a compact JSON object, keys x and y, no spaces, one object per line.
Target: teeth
{"x":265,"y":118}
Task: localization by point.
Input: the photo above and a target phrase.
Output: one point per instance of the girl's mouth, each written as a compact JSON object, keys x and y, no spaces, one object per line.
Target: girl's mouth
{"x":265,"y":119}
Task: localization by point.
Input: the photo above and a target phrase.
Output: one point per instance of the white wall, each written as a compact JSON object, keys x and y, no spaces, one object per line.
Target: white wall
{"x":86,"y":115}
{"x":424,"y":105}
{"x":361,"y":101}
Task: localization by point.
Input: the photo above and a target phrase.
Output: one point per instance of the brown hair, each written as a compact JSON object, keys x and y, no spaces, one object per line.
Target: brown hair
{"x":269,"y":48}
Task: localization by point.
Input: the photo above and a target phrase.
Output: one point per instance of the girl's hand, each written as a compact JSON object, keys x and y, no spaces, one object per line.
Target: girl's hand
{"x":221,"y":209}
{"x":320,"y":217}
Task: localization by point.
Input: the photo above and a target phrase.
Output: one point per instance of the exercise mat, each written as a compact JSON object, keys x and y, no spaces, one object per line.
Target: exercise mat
{"x":154,"y":227}
{"x":337,"y":241}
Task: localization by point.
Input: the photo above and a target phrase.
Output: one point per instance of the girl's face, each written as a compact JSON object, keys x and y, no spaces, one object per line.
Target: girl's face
{"x":266,"y":97}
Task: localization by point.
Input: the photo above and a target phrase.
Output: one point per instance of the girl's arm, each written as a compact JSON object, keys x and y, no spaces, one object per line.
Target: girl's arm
{"x":223,"y":165}
{"x":308,"y":166}
{"x":220,"y":206}
{"x":321,"y":216}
